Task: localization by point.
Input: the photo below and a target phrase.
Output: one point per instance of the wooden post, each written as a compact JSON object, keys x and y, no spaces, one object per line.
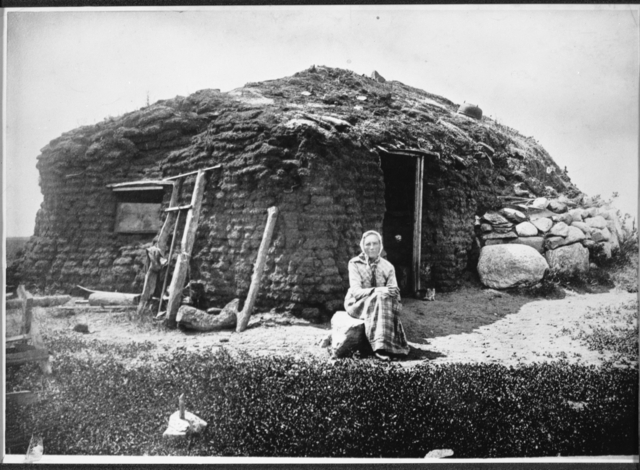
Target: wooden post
{"x":243,"y":317}
{"x":181,"y":405}
{"x":417,"y":224}
{"x":27,"y":309}
{"x":151,"y":278}
{"x":182,"y":264}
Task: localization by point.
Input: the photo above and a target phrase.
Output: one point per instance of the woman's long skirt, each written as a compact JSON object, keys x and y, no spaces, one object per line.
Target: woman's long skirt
{"x":381,"y":323}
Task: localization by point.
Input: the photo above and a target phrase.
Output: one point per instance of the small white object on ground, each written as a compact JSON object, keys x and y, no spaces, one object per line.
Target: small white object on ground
{"x":439,"y":454}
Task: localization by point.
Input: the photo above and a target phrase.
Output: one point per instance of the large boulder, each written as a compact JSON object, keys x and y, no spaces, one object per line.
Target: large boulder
{"x":568,"y":259}
{"x":536,"y":243}
{"x":526,"y":229}
{"x":543,"y":224}
{"x":503,"y":266}
{"x":347,"y":334}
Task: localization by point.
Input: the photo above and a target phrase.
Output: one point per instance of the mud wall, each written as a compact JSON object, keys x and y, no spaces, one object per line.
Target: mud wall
{"x":312,"y":154}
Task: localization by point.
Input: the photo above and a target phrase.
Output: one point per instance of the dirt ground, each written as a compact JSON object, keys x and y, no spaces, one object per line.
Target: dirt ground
{"x":470,"y":325}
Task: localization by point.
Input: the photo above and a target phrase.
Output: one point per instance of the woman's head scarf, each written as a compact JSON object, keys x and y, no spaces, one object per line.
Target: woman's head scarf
{"x":365,"y":235}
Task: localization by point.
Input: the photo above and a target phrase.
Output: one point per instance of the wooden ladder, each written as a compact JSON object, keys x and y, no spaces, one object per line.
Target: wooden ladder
{"x":167,"y":239}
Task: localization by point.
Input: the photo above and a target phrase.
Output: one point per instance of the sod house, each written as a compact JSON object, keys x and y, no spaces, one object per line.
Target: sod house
{"x":336,"y":152}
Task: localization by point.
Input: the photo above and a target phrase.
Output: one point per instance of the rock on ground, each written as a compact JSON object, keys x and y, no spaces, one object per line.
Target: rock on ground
{"x":569,"y":259}
{"x":347,"y":334}
{"x":503,"y":266}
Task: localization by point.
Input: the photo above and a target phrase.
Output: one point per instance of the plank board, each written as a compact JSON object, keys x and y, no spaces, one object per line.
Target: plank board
{"x":27,"y":356}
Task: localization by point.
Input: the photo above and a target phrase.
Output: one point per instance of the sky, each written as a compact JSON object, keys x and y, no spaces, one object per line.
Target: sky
{"x":566,"y":75}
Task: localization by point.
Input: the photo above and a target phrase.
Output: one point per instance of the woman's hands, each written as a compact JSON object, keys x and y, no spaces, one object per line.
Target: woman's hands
{"x":391,"y":291}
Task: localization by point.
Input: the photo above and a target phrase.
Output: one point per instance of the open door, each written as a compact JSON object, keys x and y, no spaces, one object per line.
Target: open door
{"x":402,"y":224}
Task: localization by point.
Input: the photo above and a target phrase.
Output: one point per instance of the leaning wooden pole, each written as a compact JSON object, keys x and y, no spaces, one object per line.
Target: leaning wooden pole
{"x":243,"y":317}
{"x":182,"y":263}
{"x":151,"y":277}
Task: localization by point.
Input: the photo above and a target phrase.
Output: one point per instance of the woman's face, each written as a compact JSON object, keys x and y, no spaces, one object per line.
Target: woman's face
{"x":372,"y":246}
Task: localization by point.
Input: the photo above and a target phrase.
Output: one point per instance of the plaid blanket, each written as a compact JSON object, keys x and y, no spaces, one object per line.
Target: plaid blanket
{"x":381,"y":323}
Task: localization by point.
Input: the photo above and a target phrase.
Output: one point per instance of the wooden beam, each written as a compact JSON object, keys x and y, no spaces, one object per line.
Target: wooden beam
{"x":179,"y":208}
{"x":188,"y":238}
{"x":140,"y":183}
{"x":15,"y":339}
{"x":138,"y":188}
{"x":243,"y":317}
{"x":417,"y":224}
{"x":27,"y":356}
{"x":409,"y":152}
{"x":193,"y":172}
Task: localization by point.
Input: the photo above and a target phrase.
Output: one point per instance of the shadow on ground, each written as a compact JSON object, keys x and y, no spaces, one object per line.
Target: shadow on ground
{"x":457,"y":312}
{"x":416,"y":354}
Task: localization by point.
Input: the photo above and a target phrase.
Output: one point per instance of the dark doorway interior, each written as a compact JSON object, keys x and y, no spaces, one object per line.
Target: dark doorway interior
{"x":397,"y":227}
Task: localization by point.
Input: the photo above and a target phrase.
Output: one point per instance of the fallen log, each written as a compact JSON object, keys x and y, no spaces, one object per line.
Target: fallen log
{"x":194,"y":319}
{"x":113,"y":298}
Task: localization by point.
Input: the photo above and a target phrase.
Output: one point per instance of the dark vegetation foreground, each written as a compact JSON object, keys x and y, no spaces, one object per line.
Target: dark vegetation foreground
{"x":115,"y":399}
{"x":99,"y":403}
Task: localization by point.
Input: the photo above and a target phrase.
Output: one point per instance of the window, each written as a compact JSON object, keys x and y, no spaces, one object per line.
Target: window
{"x":139,"y":206}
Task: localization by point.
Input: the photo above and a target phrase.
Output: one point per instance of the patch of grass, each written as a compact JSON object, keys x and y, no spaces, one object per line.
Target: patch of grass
{"x":620,"y":339}
{"x":283,"y":406}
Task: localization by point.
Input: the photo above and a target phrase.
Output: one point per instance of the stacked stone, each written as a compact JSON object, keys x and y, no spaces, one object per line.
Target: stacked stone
{"x":556,"y":228}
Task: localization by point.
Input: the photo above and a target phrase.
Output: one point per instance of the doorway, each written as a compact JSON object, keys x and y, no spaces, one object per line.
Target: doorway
{"x":401,"y":226}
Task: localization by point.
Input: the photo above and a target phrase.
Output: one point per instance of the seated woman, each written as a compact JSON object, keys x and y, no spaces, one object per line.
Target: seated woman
{"x":374,"y":297}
